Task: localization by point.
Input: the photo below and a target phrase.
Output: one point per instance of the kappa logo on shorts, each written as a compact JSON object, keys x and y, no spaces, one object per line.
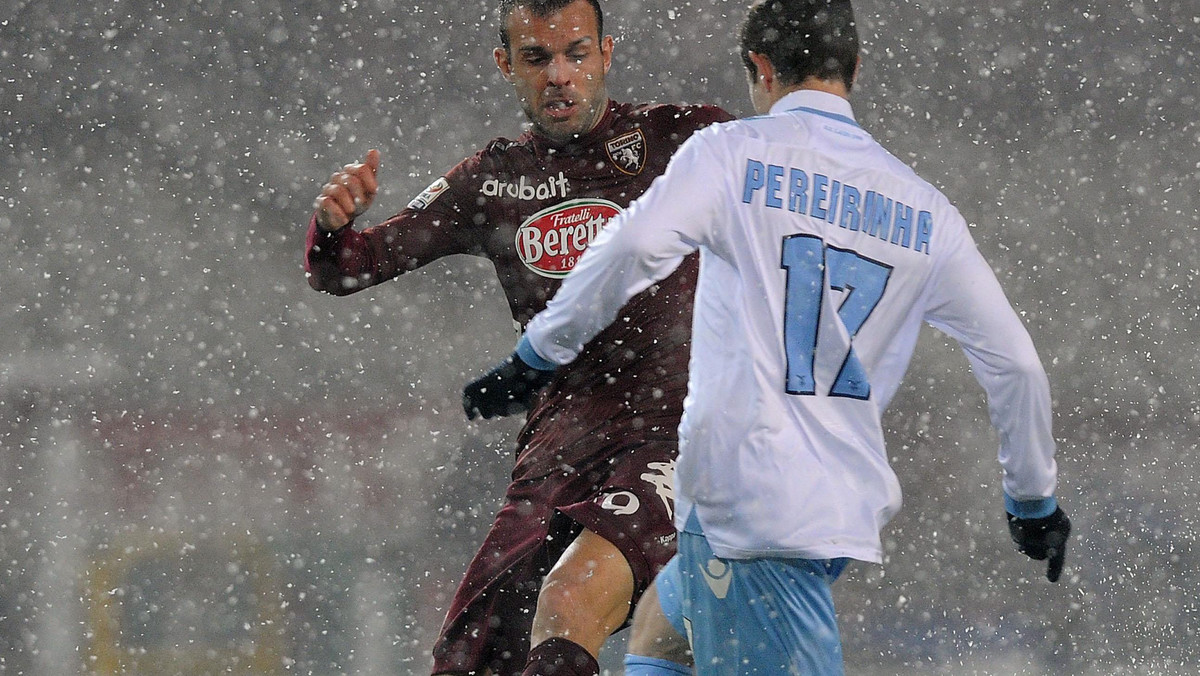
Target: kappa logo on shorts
{"x":662,"y":477}
{"x":435,"y":190}
{"x":621,"y":503}
{"x":717,"y":574}
{"x":628,"y":152}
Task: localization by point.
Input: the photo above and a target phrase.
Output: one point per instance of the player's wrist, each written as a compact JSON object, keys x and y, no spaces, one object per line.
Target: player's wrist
{"x":1036,"y":508}
{"x":331,"y":229}
{"x":510,"y":387}
{"x":326,"y":228}
{"x":529,"y":355}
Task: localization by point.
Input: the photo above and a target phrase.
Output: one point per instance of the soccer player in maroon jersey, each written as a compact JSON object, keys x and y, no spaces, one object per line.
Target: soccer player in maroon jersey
{"x":587,"y":518}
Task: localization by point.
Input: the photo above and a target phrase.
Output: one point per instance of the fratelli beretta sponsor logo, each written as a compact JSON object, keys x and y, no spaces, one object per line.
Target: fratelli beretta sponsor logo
{"x":551,"y":241}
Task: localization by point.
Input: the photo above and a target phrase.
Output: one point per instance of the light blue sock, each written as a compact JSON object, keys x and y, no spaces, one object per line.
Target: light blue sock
{"x":636,"y":665}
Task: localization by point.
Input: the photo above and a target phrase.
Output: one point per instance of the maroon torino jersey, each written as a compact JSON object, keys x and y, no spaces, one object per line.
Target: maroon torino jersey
{"x":531,"y":207}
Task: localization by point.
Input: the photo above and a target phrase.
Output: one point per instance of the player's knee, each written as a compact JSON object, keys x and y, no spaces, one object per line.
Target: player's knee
{"x":566,"y":590}
{"x":557,"y":597}
{"x":591,"y":572}
{"x":574,"y":603}
{"x":653,"y":636}
{"x":662,"y":643}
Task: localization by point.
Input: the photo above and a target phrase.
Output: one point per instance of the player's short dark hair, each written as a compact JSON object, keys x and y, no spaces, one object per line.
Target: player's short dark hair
{"x":802,"y":39}
{"x":540,"y":9}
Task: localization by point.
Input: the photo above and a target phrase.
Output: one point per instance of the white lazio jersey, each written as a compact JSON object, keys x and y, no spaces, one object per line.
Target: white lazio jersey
{"x":821,"y":255}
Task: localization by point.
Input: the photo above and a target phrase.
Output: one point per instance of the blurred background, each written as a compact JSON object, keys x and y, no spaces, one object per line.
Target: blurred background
{"x":207,"y":467}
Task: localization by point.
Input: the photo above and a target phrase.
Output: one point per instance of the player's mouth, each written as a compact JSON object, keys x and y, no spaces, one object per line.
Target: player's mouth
{"x":560,"y":109}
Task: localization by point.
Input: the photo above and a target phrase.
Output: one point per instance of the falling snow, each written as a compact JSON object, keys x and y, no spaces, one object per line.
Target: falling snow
{"x":206,"y":465}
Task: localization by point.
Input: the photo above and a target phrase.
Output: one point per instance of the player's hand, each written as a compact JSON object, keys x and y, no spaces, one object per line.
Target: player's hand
{"x":349,"y":193}
{"x":507,"y":389}
{"x":1044,"y":538}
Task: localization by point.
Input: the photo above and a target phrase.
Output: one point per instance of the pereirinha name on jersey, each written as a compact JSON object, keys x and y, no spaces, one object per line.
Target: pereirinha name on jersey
{"x":833,"y":201}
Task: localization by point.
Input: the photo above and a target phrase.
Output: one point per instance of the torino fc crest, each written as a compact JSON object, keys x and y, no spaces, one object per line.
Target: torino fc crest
{"x":628,"y":152}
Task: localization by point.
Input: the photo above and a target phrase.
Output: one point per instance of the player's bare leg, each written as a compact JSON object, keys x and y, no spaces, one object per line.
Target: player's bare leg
{"x":585,"y":597}
{"x":653,"y":636}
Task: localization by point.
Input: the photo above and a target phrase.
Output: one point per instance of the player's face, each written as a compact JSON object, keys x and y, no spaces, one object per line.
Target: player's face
{"x":557,"y":64}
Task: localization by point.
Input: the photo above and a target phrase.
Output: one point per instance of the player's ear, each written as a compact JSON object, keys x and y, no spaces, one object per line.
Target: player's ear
{"x":503,"y":62}
{"x":606,"y":51}
{"x":766,"y":70}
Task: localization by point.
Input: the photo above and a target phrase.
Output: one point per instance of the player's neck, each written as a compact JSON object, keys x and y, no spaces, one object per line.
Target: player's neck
{"x":835,"y":87}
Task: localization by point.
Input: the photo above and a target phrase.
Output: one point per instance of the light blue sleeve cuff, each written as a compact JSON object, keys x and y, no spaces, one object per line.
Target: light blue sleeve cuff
{"x":1028,"y":509}
{"x":637,"y":665}
{"x":530,"y":356}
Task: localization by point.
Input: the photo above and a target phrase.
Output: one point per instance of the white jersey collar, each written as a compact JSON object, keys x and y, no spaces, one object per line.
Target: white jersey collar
{"x":813,"y":101}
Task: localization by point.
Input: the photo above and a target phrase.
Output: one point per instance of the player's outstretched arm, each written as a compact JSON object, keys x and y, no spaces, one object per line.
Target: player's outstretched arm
{"x":969,"y":305}
{"x":343,"y":260}
{"x":348,"y":193}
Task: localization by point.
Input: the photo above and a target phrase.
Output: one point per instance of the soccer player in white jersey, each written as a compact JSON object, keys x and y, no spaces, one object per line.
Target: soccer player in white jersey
{"x":821,"y":255}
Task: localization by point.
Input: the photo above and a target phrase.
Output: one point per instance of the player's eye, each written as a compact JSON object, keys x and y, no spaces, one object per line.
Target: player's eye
{"x":535,"y":57}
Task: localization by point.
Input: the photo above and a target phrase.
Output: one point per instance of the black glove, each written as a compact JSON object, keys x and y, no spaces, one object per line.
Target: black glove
{"x":507,"y":389}
{"x":1044,"y":538}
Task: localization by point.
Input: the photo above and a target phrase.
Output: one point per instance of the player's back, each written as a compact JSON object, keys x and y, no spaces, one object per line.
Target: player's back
{"x":821,"y":254}
{"x":809,"y":303}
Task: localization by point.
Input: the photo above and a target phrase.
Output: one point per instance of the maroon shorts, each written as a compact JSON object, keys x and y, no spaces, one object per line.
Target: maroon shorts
{"x":625,"y":498}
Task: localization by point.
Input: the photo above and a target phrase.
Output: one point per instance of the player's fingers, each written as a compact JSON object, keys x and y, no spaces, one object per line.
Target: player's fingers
{"x":470,"y":401}
{"x":360,"y":181}
{"x":354,"y":185}
{"x":366,"y":179}
{"x":369,"y":181}
{"x":1058,"y":556}
{"x":330,"y":214}
{"x":336,"y":190}
{"x":372,"y":161}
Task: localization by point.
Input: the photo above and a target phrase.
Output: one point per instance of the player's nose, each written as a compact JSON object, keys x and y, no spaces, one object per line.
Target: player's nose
{"x":559,"y":71}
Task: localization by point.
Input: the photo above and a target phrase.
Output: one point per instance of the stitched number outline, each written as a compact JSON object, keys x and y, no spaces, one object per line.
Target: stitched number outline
{"x":808,"y":261}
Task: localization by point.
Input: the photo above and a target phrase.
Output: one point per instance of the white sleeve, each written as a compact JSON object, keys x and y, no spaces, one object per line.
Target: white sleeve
{"x":637,"y":248}
{"x":967,"y":303}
